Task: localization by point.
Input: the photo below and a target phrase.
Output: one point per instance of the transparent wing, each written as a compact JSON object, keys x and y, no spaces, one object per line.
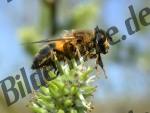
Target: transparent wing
{"x":50,"y":40}
{"x":66,"y":35}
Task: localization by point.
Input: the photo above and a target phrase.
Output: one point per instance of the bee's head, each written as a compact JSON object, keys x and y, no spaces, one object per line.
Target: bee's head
{"x":101,"y":41}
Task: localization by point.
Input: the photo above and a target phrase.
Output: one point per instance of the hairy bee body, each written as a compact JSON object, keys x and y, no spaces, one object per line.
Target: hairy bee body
{"x":74,"y":44}
{"x":64,"y":49}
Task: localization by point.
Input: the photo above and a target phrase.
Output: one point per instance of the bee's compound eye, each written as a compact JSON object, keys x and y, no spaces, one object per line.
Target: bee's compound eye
{"x":100,"y":38}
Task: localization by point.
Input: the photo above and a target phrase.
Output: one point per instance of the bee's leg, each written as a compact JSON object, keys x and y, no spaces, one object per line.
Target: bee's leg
{"x":57,"y":64}
{"x":68,"y":62}
{"x":78,"y":52}
{"x":86,"y":56}
{"x":100,"y":63}
{"x":92,"y":55}
{"x":45,"y":73}
{"x":65,"y":60}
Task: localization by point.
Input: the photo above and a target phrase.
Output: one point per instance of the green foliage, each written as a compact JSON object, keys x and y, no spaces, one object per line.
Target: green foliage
{"x":28,"y":35}
{"x":68,"y":93}
{"x":44,"y":20}
{"x":82,"y":15}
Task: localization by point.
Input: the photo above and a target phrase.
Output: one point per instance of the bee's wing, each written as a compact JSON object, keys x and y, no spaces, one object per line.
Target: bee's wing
{"x":51,"y":40}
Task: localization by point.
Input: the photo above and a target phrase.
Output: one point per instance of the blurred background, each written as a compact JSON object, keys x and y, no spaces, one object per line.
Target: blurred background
{"x":127,"y":64}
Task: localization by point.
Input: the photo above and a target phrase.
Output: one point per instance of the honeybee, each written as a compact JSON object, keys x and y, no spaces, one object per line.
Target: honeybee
{"x":74,"y":44}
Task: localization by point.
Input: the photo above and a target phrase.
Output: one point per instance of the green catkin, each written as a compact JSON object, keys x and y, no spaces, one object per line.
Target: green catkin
{"x":68,"y":93}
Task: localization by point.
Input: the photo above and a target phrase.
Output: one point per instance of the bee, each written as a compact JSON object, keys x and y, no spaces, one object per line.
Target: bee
{"x":88,"y":44}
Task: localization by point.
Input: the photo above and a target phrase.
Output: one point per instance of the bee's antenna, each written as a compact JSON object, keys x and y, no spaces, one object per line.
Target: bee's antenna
{"x":100,"y":63}
{"x":105,"y":73}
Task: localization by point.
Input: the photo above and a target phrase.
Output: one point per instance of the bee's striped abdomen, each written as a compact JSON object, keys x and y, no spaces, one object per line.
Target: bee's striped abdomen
{"x":43,"y":58}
